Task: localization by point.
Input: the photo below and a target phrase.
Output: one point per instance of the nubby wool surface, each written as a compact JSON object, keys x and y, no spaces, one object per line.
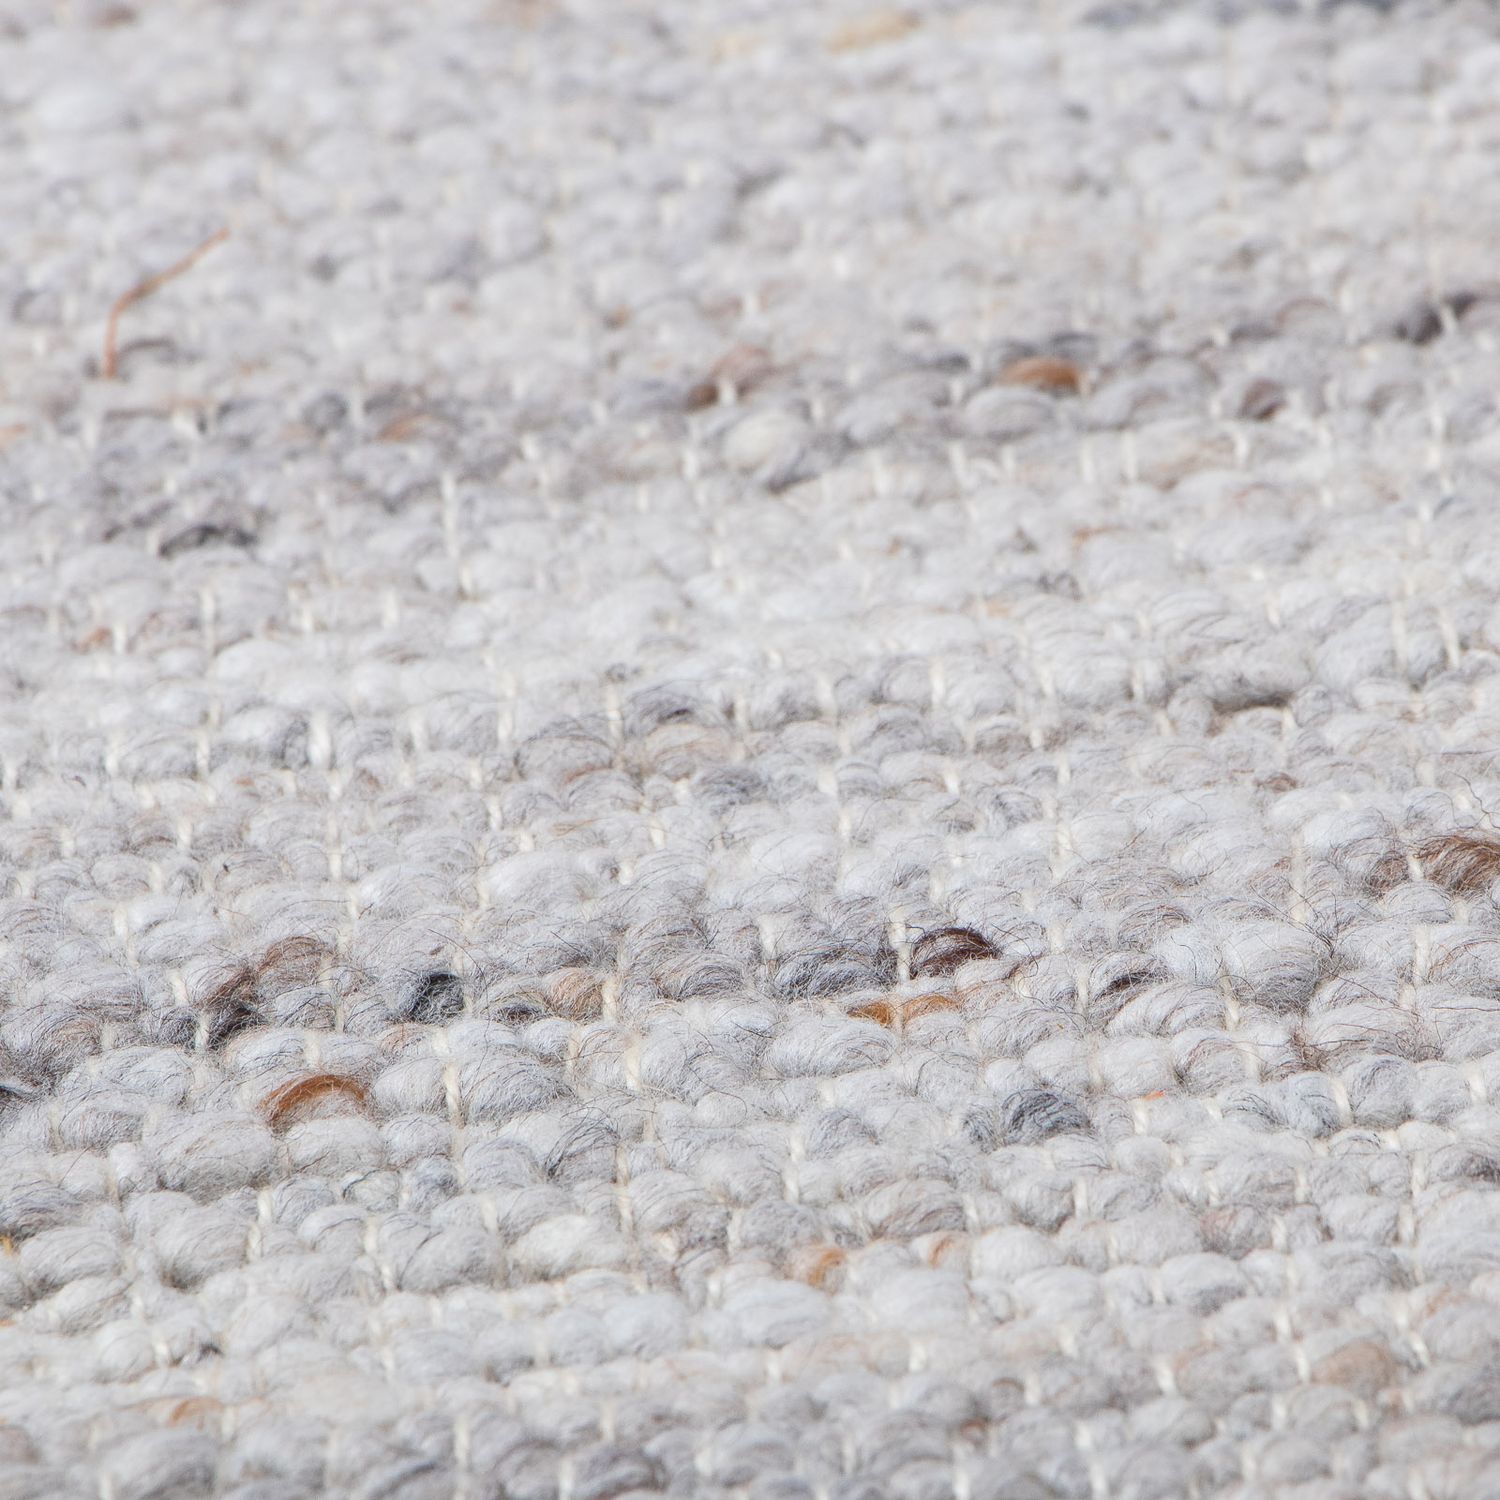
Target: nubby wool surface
{"x":749,"y":751}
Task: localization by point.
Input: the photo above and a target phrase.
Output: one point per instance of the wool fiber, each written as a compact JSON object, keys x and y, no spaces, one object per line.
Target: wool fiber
{"x":749,"y":752}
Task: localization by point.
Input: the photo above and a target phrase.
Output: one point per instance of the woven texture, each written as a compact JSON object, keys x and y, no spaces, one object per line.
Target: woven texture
{"x":751,"y":756}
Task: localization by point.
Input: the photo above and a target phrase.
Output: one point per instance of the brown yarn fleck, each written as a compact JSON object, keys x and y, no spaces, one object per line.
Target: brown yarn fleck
{"x":282,"y":1105}
{"x":819,"y":1266}
{"x":1262,"y":400}
{"x":1462,"y":863}
{"x":894,"y":1014}
{"x":234,"y":1003}
{"x":740,"y":370}
{"x":926,"y":1005}
{"x":938,"y":953}
{"x":198,"y":1411}
{"x":1044,"y":373}
{"x":575,"y":993}
{"x":871,"y":30}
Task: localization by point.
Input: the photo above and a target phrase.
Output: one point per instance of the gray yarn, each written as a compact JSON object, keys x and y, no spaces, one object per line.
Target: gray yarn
{"x":638,"y":857}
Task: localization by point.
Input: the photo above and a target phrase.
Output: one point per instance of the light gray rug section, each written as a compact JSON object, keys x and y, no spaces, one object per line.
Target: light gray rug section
{"x":753,"y":756}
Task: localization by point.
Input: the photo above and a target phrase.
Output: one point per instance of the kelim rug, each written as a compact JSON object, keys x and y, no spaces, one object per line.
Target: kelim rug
{"x":749,"y":751}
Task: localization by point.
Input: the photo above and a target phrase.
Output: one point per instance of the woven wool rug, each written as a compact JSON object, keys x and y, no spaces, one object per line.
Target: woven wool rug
{"x":749,"y":751}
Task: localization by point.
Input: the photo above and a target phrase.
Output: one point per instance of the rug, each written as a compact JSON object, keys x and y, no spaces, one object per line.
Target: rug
{"x":749,"y":751}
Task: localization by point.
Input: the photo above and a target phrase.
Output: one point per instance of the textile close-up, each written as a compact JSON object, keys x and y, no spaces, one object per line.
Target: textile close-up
{"x":749,"y":751}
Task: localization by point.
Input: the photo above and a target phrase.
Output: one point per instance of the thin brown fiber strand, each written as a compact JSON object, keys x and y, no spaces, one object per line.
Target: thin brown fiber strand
{"x":109,"y":367}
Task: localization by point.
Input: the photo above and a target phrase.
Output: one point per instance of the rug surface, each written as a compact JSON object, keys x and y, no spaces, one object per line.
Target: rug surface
{"x":749,"y":750}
